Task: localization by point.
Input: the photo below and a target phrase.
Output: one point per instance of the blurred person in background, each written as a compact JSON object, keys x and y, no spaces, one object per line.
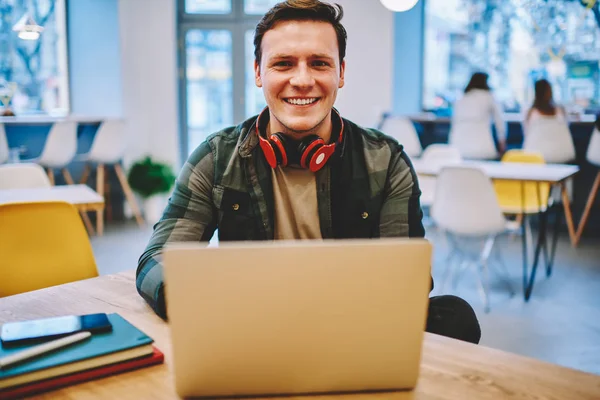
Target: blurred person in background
{"x":543,"y":106}
{"x":471,"y":121}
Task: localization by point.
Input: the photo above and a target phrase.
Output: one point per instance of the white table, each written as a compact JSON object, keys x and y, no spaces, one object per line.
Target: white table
{"x":553,"y":174}
{"x":81,"y":196}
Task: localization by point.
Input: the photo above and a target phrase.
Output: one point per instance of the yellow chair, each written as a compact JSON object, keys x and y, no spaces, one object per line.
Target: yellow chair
{"x":510,"y":193}
{"x":42,"y":244}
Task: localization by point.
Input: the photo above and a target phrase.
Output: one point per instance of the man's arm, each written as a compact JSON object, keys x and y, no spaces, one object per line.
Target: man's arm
{"x":189,"y":217}
{"x":401,"y":213}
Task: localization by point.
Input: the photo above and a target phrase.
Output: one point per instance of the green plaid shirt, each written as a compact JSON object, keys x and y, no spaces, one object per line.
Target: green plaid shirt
{"x":367,"y":189}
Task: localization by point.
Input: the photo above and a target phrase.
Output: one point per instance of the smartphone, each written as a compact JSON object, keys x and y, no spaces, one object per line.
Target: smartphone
{"x":16,"y":333}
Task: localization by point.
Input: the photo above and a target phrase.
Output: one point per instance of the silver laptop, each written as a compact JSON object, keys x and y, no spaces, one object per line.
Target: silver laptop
{"x":264,"y":318}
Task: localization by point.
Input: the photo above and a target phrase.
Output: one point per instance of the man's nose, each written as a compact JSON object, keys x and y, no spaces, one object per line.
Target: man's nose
{"x":302,"y":77}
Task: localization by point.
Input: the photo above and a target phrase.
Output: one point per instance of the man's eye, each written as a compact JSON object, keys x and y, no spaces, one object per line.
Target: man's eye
{"x":320,"y":64}
{"x":283,"y":64}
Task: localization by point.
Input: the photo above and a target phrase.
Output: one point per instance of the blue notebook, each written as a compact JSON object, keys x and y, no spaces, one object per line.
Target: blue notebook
{"x":124,"y":336}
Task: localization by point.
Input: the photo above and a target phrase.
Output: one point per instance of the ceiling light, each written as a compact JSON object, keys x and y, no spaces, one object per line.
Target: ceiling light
{"x":28,"y":29}
{"x":399,"y":5}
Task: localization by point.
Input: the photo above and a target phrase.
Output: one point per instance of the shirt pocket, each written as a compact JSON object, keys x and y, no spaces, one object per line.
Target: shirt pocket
{"x":236,"y":218}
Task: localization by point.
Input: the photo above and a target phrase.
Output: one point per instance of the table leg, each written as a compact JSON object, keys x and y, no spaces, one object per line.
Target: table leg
{"x":568,"y":216}
{"x":100,"y":221}
{"x":524,"y":237}
{"x":554,"y":241}
{"x":100,"y":190}
{"x":541,"y":242}
{"x":588,"y":207}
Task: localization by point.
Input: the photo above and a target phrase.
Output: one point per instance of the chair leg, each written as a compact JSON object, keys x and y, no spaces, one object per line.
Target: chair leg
{"x":87,"y":223}
{"x":568,"y":215}
{"x":484,"y":284}
{"x":504,"y":274}
{"x":100,"y":190}
{"x":50,"y":172}
{"x":129,"y":195}
{"x":85,"y":175}
{"x":588,"y":207}
{"x":67,"y":175}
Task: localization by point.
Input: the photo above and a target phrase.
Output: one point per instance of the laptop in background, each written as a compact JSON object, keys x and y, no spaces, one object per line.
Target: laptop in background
{"x":283,"y":317}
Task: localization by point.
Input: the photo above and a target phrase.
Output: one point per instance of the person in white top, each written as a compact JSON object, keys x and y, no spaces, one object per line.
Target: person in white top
{"x":546,"y":128}
{"x":543,"y":105}
{"x":471,"y":121}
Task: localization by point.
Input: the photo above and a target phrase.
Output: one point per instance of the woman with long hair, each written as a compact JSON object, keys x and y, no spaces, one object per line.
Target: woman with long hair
{"x":471,"y":121}
{"x":543,"y":103}
{"x":546,"y":129}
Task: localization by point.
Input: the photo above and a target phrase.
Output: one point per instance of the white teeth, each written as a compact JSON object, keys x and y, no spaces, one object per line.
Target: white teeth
{"x":301,"y":102}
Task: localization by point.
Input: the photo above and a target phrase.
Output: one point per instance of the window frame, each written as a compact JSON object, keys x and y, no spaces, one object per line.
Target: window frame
{"x":237,"y":22}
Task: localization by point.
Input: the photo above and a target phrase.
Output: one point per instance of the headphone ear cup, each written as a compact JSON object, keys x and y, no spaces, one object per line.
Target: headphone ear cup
{"x":279,"y":144}
{"x":307,"y":148}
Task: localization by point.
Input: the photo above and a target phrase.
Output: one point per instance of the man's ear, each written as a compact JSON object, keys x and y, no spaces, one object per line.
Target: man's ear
{"x":342,"y":70}
{"x":257,"y":79}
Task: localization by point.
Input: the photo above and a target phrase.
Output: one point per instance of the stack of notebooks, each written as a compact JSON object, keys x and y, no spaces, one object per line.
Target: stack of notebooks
{"x":123,"y":349}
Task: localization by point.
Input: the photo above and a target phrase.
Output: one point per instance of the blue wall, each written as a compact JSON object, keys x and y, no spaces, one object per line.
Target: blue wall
{"x":94,"y":57}
{"x":408,"y":59}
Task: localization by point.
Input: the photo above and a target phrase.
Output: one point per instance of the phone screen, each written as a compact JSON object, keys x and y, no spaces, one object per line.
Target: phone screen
{"x":13,"y":333}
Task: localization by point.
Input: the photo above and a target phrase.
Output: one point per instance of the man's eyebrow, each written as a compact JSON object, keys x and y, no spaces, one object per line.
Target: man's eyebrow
{"x":280,"y":56}
{"x":322,"y":55}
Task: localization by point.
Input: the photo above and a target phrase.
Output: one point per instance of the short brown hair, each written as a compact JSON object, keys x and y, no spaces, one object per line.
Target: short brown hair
{"x":302,"y":10}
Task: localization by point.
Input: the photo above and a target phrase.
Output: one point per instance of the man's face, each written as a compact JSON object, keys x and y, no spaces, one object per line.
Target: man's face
{"x":300,"y":73}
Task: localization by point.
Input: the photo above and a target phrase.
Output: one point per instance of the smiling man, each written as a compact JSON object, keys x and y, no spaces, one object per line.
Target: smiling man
{"x":298,"y":170}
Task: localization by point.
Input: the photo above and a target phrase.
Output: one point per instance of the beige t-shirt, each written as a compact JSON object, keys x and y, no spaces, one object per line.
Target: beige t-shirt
{"x":296,"y":207}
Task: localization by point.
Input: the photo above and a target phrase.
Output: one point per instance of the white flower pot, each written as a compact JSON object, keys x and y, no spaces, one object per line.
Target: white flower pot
{"x":154,"y":207}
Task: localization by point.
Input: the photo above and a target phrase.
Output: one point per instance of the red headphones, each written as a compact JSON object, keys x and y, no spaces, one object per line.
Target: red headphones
{"x":312,"y":151}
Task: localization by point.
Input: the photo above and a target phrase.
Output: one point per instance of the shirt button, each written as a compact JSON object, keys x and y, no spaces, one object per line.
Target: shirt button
{"x":364,"y":215}
{"x":235,"y":207}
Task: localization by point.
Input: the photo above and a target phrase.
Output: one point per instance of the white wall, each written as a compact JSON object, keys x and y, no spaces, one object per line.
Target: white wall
{"x":149,"y":68}
{"x":149,"y":65}
{"x":94,"y":58}
{"x":369,"y":61}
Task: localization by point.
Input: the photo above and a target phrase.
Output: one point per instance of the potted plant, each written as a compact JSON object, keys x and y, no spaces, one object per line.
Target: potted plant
{"x":151,"y":180}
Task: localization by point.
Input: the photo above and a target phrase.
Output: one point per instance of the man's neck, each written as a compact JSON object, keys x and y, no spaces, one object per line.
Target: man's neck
{"x":323,"y":130}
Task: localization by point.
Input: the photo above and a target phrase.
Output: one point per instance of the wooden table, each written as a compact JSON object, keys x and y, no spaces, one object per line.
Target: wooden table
{"x":552,"y":174}
{"x":81,"y":196}
{"x":450,"y":369}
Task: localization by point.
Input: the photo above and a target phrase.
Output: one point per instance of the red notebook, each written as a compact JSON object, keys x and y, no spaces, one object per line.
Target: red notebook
{"x":29,"y":389}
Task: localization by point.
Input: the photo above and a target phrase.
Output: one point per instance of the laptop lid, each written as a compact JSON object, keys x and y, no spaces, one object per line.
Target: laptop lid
{"x":260,"y":318}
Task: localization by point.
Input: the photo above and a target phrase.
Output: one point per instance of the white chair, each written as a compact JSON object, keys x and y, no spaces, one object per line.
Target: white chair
{"x":593,"y":157}
{"x":31,"y":176}
{"x":551,"y":138}
{"x":466,"y":208}
{"x":4,"y":151}
{"x":473,"y":139}
{"x":436,"y":155}
{"x":108,"y":148}
{"x":59,"y":150}
{"x":23,"y":176}
{"x":403,"y":130}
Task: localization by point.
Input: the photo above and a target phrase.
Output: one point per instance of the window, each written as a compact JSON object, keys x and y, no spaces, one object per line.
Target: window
{"x":33,"y":73}
{"x":208,"y":6}
{"x":216,"y":58}
{"x":516,"y":42}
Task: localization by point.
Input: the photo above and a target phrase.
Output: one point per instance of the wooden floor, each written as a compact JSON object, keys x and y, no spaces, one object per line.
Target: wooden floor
{"x":560,"y":324}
